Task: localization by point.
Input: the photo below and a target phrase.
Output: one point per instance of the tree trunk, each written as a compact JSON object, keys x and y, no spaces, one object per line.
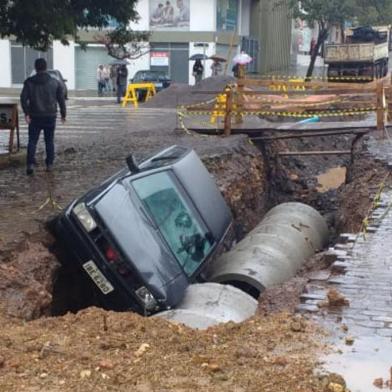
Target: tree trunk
{"x":320,"y":40}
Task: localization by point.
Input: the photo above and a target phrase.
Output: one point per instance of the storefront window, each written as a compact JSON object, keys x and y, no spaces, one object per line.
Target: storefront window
{"x":227,"y":15}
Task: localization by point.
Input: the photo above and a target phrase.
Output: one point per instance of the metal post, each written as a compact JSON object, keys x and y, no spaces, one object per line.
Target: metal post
{"x":380,"y":107}
{"x":229,"y":107}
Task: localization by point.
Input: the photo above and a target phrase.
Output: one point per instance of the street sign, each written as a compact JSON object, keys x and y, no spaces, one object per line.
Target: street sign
{"x":9,"y":121}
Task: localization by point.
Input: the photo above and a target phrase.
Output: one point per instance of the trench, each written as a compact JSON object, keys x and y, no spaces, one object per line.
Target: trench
{"x":325,"y":183}
{"x":252,"y":180}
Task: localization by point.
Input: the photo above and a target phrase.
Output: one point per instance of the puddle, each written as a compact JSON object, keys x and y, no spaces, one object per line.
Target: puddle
{"x":331,"y":179}
{"x":367,"y":359}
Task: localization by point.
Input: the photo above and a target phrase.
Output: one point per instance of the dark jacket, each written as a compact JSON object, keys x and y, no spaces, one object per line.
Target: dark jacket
{"x":198,"y":68}
{"x":122,"y":76}
{"x":40,"y":96}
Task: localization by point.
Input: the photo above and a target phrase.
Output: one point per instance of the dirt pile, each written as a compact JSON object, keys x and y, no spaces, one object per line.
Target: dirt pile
{"x":183,"y":94}
{"x":105,"y":351}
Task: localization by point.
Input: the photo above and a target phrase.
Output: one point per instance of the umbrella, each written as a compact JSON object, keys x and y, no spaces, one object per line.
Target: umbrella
{"x":118,"y":62}
{"x":242,"y":58}
{"x":198,"y":56}
{"x":217,"y":58}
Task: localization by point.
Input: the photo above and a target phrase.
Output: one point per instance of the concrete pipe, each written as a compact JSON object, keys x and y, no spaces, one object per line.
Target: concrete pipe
{"x":274,"y":250}
{"x":208,"y":304}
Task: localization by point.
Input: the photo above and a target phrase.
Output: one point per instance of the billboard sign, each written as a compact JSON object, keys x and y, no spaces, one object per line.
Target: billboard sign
{"x":170,"y":15}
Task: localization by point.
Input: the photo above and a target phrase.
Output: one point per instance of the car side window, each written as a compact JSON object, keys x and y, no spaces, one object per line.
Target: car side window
{"x":179,"y":224}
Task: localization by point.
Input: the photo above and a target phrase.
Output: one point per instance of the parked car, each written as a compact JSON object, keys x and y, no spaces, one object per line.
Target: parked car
{"x":160,"y":79}
{"x":56,"y":74}
{"x":149,"y":231}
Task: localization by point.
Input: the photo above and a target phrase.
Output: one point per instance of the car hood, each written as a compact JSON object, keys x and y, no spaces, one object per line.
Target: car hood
{"x":140,"y":242}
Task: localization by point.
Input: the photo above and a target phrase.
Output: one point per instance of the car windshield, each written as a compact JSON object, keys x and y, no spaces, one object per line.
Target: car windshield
{"x":148,"y":75}
{"x":179,"y":224}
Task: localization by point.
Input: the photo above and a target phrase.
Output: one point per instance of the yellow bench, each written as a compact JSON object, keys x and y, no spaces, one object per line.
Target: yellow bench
{"x":131,"y":93}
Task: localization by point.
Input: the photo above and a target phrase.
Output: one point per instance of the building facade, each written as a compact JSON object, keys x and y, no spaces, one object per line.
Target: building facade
{"x":179,"y":29}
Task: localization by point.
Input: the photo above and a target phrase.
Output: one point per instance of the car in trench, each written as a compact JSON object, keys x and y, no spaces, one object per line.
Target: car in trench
{"x":148,"y":232}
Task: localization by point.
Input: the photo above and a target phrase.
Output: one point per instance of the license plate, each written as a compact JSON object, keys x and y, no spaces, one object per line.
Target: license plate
{"x":158,"y":85}
{"x":99,"y":279}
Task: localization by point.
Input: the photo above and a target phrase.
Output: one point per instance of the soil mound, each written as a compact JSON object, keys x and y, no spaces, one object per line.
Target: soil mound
{"x":183,"y":94}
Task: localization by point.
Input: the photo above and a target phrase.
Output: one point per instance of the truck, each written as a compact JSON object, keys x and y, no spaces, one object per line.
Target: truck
{"x":363,"y":55}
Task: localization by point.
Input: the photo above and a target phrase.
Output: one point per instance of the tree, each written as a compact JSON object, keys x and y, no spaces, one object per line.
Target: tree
{"x":374,"y":12}
{"x":123,"y":43}
{"x":325,"y":14}
{"x":37,"y":23}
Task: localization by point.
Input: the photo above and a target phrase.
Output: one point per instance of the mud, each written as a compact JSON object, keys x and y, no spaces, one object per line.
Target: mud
{"x":106,"y":351}
{"x":96,"y":350}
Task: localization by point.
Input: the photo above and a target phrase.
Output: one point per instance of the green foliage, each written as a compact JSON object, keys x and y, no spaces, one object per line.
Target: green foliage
{"x":374,"y":12}
{"x":324,"y":12}
{"x":37,"y":23}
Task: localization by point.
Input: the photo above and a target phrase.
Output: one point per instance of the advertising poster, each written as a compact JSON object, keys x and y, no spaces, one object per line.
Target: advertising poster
{"x":170,"y":15}
{"x":227,"y":15}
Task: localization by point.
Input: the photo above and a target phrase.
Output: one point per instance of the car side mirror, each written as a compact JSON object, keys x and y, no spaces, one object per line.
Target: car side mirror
{"x":132,"y":164}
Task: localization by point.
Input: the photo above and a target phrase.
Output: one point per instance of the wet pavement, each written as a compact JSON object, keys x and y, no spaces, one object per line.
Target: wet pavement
{"x":91,"y":146}
{"x":361,"y":332}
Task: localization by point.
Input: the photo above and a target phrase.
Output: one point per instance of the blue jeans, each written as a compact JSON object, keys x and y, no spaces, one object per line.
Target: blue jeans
{"x":48,"y":124}
{"x":121,"y":88}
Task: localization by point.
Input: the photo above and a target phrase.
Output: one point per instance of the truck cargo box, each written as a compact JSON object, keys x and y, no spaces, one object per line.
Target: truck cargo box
{"x":355,"y":52}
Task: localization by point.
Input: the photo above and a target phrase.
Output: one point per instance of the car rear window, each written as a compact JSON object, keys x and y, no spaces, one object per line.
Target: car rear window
{"x":179,"y":224}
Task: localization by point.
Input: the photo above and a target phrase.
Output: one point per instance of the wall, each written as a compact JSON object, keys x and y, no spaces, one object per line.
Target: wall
{"x":244,"y":17}
{"x":141,"y":63}
{"x":143,"y":9}
{"x":203,"y":15}
{"x":5,"y":63}
{"x":64,"y":61}
{"x":274,"y":36}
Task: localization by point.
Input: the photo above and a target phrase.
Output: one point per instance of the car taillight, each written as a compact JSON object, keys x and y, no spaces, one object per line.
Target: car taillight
{"x":111,"y":254}
{"x":113,"y":258}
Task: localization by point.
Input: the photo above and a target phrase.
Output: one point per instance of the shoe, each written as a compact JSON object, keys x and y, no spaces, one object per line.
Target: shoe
{"x":30,"y":170}
{"x":49,"y":168}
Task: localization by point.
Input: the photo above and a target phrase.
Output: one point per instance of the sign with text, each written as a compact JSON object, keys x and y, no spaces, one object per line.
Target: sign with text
{"x":160,"y":59}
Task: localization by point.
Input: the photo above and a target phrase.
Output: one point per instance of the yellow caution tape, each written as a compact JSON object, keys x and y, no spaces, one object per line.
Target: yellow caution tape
{"x":319,"y":113}
{"x":304,"y":79}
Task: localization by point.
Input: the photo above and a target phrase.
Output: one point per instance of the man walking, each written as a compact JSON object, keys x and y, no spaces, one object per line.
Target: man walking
{"x":39,"y":99}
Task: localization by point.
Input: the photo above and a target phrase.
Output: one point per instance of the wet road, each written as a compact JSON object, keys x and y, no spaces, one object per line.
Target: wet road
{"x":91,"y":146}
{"x":362,"y":331}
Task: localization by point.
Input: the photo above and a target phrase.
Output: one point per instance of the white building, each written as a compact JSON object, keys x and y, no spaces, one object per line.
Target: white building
{"x":190,"y":26}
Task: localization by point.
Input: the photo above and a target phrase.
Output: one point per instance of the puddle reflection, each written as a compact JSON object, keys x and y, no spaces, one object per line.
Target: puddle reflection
{"x":367,"y":359}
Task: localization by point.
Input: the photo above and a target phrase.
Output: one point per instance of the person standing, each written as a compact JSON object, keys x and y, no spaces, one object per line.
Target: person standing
{"x":100,"y":80}
{"x":197,"y":71}
{"x":216,"y":68}
{"x":39,"y":98}
{"x":106,"y":76}
{"x":122,"y":81}
{"x":113,"y":76}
